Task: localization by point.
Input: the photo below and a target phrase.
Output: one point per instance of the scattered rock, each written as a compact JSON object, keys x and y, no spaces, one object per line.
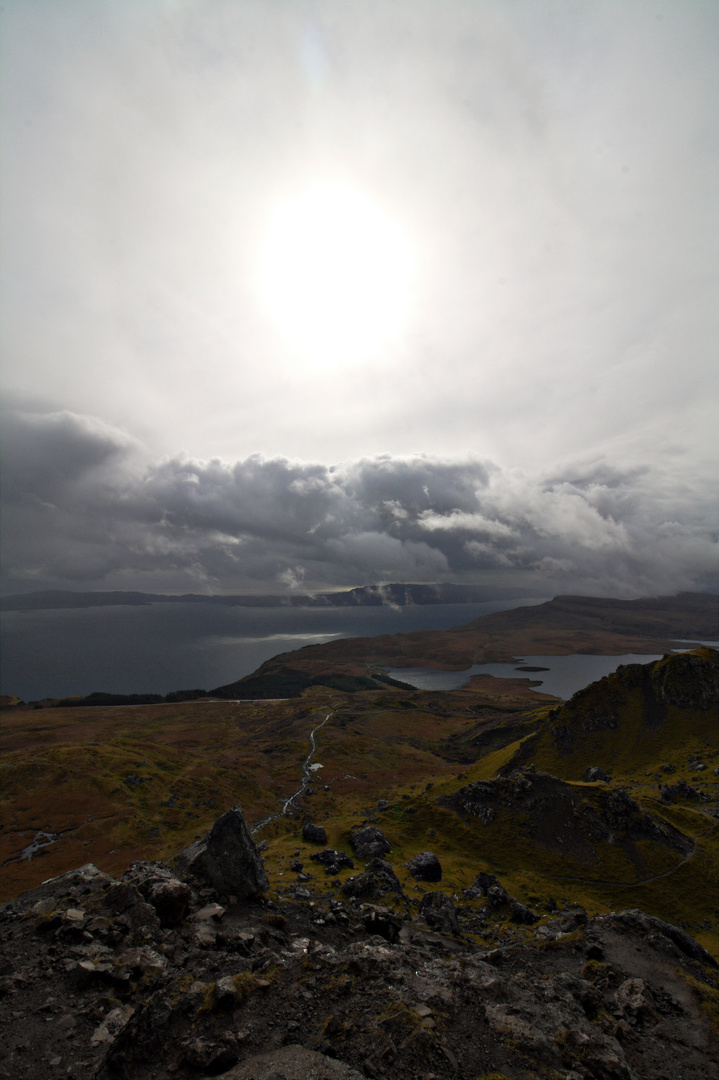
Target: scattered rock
{"x":210,"y":1057}
{"x":332,"y":860}
{"x":425,"y":867}
{"x":370,"y":843}
{"x":293,"y":1063}
{"x":115,"y":1021}
{"x":169,"y":896}
{"x":594,"y":773}
{"x":314,"y":834}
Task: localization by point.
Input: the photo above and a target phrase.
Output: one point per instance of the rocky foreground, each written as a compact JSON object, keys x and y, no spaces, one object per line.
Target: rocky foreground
{"x":189,"y":971}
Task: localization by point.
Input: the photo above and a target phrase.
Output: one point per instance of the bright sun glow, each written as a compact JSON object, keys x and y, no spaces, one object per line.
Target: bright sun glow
{"x":335,"y":275}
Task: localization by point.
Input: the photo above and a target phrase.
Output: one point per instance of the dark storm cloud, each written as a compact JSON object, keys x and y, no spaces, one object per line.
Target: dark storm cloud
{"x":82,"y":511}
{"x":44,"y":453}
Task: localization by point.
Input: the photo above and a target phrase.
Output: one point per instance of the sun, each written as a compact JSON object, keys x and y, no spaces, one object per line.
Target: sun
{"x":335,"y":275}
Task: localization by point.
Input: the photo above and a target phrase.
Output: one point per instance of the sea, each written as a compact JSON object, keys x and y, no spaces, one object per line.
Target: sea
{"x":157,"y":648}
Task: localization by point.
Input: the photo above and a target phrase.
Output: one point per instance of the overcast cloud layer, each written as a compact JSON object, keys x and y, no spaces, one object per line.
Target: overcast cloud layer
{"x":547,"y":415}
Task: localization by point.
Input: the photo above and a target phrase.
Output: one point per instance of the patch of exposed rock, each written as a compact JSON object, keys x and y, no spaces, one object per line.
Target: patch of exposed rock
{"x":102,"y":980}
{"x":564,"y":817}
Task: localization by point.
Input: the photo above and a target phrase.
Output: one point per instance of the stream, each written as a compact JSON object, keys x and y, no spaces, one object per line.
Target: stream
{"x":307,"y":772}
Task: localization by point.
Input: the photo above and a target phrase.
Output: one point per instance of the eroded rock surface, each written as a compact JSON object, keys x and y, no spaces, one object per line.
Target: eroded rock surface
{"x":93,"y":986}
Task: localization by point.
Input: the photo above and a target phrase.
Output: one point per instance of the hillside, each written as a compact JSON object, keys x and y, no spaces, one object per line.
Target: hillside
{"x":564,"y":625}
{"x":652,"y":718}
{"x":398,"y":595}
{"x":447,"y":887}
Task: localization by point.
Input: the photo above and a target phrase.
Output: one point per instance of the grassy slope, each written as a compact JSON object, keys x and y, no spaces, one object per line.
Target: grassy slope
{"x":75,"y":770}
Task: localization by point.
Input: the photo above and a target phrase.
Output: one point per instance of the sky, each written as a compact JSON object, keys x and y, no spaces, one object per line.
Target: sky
{"x":304,"y":295}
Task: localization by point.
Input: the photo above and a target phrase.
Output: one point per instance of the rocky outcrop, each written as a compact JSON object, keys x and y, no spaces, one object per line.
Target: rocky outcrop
{"x":580,"y":822}
{"x":689,"y":680}
{"x":226,"y":859}
{"x":93,"y":987}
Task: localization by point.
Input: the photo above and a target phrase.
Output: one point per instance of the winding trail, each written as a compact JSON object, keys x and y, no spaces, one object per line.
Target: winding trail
{"x":306,"y":777}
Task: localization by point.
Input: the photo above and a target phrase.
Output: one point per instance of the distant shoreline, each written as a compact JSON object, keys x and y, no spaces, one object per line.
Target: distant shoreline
{"x":396,"y":594}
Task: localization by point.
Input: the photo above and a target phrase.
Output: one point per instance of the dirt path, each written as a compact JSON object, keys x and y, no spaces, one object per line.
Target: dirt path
{"x":307,"y":773}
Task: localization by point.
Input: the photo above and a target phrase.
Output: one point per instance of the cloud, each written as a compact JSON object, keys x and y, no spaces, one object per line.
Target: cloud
{"x":553,"y":165}
{"x":81,"y":510}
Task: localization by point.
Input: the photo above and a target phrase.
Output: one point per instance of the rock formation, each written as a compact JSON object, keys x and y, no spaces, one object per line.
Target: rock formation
{"x":226,"y":859}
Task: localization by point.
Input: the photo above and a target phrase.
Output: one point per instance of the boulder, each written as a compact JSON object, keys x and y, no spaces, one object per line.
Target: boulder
{"x":370,"y":843}
{"x":225,"y":858}
{"x":169,"y":896}
{"x":332,"y":860}
{"x":594,"y":773}
{"x":378,"y":879}
{"x":425,"y":867}
{"x":489,"y":887}
{"x":520,"y":913}
{"x":438,"y":912}
{"x":314,"y":834}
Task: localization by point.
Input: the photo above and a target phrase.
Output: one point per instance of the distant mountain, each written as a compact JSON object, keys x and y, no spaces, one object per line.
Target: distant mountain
{"x":393,"y":595}
{"x":560,"y":627}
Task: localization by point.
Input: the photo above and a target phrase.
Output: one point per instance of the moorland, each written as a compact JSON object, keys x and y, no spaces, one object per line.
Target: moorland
{"x":549,"y":820}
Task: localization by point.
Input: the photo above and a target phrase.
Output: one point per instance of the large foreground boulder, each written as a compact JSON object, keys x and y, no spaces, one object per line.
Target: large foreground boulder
{"x":226,"y":858}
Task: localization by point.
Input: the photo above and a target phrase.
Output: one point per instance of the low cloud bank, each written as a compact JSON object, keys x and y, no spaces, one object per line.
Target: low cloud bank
{"x":82,"y":510}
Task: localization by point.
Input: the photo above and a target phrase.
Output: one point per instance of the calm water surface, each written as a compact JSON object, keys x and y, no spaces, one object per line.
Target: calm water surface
{"x":565,"y":676}
{"x":163,"y":647}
